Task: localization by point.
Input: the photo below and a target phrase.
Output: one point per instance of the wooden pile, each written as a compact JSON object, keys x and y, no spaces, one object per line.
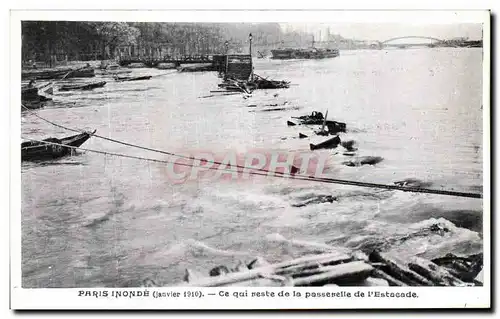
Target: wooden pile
{"x":343,"y":270}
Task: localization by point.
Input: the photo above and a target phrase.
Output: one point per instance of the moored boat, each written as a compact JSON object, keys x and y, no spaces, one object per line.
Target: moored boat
{"x":54,"y":148}
{"x":311,"y":53}
{"x":89,"y":86}
{"x":29,"y":93}
{"x":136,"y":78}
{"x":46,"y":74}
{"x":114,"y":71}
{"x":31,"y":97}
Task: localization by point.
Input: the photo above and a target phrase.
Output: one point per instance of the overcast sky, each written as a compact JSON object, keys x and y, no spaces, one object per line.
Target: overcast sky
{"x":371,"y":31}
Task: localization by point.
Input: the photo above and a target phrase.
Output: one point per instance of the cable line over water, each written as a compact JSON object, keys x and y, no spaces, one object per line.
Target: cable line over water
{"x":263,"y":172}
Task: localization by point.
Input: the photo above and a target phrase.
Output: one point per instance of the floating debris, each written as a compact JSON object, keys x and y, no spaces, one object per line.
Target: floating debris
{"x":263,"y":83}
{"x":255,"y":82}
{"x":343,"y":269}
{"x":464,"y":268}
{"x":317,"y":200}
{"x":328,"y":144}
{"x":317,"y":118}
{"x":280,"y":109}
{"x":314,"y":118}
{"x":349,"y":145}
{"x":364,"y":160}
{"x":413,"y":182}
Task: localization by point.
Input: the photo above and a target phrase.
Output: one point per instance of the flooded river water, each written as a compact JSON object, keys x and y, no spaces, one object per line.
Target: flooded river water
{"x":104,"y":221}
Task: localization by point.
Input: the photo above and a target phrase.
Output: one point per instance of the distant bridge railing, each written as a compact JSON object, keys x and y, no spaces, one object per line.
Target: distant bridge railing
{"x":154,"y":61}
{"x":435,"y":42}
{"x":236,"y":66}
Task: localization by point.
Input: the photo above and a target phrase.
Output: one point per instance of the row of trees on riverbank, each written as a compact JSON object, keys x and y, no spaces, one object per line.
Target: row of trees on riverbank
{"x":70,"y":40}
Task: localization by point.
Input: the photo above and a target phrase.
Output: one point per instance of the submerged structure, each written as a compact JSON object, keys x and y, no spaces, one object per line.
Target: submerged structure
{"x":310,"y":53}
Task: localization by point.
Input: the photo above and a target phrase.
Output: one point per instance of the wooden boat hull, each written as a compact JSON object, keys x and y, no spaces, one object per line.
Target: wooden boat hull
{"x":114,"y":72}
{"x":138,"y":78}
{"x":48,"y":74}
{"x":29,"y":93}
{"x":31,"y":99}
{"x":37,"y":151}
{"x":331,"y":143}
{"x":84,"y":87}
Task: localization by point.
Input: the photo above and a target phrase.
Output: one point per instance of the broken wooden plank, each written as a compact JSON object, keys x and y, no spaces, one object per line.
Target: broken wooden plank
{"x":316,"y":266}
{"x":191,"y":275}
{"x":258,"y":262}
{"x":307,"y":271}
{"x":400,"y":272}
{"x":391,"y":280}
{"x":374,"y":282}
{"x":354,"y":271}
{"x":259,"y":282}
{"x":257,"y":272}
{"x":319,"y":259}
{"x":437,"y":274}
{"x":427,"y":273}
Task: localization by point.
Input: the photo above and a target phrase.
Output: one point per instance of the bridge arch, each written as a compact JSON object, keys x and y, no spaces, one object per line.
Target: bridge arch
{"x":411,"y":37}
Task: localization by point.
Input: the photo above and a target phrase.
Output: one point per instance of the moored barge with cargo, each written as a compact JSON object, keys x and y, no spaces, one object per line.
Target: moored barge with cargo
{"x":311,"y":53}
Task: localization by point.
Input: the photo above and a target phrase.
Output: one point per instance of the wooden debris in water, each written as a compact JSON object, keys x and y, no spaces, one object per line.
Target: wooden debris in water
{"x":219,"y":270}
{"x":257,"y":262}
{"x":399,"y":271}
{"x":464,"y":268}
{"x":435,"y":273}
{"x":356,"y":271}
{"x":191,"y":275}
{"x":374,"y":282}
{"x":392,"y":281}
{"x":329,"y":269}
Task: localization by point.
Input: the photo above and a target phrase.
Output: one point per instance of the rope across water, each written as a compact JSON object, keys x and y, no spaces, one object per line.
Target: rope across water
{"x":251,"y":170}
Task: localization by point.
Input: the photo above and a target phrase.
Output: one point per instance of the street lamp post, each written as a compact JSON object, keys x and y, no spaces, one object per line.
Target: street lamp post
{"x":250,"y":38}
{"x":251,"y":64}
{"x":226,"y":44}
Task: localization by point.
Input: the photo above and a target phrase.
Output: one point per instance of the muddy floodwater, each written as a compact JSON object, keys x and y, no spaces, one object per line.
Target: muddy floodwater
{"x":95,"y":220}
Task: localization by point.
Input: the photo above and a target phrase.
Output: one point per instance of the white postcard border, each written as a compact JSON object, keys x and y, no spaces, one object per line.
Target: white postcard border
{"x":431,"y":297}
